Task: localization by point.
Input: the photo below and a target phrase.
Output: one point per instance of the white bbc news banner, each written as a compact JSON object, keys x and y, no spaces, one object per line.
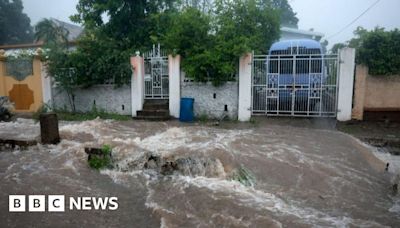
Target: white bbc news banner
{"x":57,"y":203}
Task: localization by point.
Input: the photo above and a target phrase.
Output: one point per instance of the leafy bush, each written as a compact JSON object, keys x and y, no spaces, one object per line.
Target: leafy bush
{"x":203,"y":117}
{"x":99,"y":163}
{"x":211,"y":45}
{"x":210,"y":41}
{"x":103,"y":160}
{"x":378,"y":49}
{"x":106,"y":149}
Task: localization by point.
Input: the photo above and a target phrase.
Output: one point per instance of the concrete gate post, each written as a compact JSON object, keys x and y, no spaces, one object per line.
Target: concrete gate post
{"x":174,"y":72}
{"x":46,"y":84}
{"x":245,"y":67}
{"x":137,"y":83}
{"x":346,"y":83}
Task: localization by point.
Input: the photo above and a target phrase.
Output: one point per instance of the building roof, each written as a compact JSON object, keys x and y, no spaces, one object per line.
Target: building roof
{"x":285,"y":44}
{"x":302,"y":32}
{"x":74,"y":32}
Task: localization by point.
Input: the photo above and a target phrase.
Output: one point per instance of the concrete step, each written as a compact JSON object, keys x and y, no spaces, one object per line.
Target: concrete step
{"x":155,"y":106}
{"x":146,"y":112}
{"x":153,"y":118}
{"x":154,"y":110}
{"x":156,"y":101}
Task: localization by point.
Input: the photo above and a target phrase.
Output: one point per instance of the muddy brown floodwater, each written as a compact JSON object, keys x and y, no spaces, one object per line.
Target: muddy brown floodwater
{"x":303,"y":177}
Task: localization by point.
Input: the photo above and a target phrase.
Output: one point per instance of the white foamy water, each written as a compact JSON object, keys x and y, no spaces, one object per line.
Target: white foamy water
{"x":304,"y":177}
{"x":20,"y":129}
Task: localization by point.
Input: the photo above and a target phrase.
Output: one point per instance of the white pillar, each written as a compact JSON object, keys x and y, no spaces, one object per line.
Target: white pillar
{"x":137,"y":84}
{"x":244,"y":110}
{"x":46,"y":86}
{"x":174,"y":85}
{"x":346,"y":83}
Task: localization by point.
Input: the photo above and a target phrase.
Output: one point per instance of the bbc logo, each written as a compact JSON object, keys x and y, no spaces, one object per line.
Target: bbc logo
{"x":36,"y":203}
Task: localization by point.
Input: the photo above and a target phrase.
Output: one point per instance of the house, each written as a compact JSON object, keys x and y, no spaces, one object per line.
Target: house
{"x":24,"y":81}
{"x":74,"y":32}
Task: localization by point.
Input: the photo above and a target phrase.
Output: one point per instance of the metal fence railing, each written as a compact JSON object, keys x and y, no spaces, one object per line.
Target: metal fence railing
{"x":295,"y":85}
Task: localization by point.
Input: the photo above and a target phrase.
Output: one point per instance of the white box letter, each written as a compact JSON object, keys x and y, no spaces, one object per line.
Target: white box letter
{"x":16,"y":203}
{"x":56,"y":203}
{"x":37,"y":203}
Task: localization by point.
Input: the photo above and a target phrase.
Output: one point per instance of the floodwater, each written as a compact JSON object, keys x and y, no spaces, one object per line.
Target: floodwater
{"x":302,"y":177}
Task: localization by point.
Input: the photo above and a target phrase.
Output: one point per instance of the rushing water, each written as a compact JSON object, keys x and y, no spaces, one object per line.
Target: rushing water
{"x":300,"y":177}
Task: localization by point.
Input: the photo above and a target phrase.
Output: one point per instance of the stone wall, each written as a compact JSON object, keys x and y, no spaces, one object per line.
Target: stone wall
{"x":375,"y":93}
{"x":104,"y":97}
{"x":212,"y":101}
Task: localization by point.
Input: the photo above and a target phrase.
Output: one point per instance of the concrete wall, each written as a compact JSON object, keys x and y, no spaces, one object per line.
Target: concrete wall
{"x":375,"y":93}
{"x":105,"y":97}
{"x":206,"y":104}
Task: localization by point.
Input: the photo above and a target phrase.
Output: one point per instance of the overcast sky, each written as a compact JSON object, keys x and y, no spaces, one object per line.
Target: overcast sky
{"x":325,"y":16}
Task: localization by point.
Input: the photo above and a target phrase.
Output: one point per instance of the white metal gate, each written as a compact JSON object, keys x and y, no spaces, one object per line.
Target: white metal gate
{"x":156,"y":79}
{"x":295,"y":85}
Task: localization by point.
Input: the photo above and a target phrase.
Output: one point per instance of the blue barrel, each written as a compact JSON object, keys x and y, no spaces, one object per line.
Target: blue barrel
{"x":186,"y":114}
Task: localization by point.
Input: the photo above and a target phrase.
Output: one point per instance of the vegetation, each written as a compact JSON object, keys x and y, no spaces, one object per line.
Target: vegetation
{"x":203,"y":117}
{"x":211,"y":45}
{"x":102,"y":160}
{"x":378,"y":49}
{"x":253,"y":120}
{"x":244,"y":176}
{"x":76,"y":116}
{"x":209,"y":36}
{"x":15,"y":25}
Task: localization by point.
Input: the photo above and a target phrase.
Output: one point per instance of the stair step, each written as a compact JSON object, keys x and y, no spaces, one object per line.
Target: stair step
{"x":156,"y":101}
{"x":153,"y":118}
{"x":147,"y":106}
{"x":144,"y":113}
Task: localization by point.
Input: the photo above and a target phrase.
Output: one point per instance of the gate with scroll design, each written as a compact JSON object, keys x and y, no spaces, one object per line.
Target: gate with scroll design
{"x":156,"y":78}
{"x":295,"y":85}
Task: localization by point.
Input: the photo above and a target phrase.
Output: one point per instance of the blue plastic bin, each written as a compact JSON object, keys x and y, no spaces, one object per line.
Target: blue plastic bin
{"x":186,"y":114}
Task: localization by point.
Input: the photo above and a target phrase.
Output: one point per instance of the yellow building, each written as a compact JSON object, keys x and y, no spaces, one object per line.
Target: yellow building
{"x":21,"y":81}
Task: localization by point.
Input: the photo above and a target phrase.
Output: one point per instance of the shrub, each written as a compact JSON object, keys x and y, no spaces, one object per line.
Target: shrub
{"x":103,"y":160}
{"x":378,"y":49}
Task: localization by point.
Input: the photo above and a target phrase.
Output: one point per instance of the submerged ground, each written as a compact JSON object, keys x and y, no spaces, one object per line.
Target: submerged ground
{"x":304,"y":177}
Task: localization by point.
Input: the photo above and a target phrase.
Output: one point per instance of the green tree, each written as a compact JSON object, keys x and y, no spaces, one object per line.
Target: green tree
{"x":287,"y":15}
{"x":129,"y":22}
{"x":378,"y":49}
{"x":103,"y":51}
{"x":58,"y":60}
{"x":336,"y":47}
{"x":211,"y":45}
{"x":190,"y":36}
{"x":51,"y":34}
{"x":15,"y":25}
